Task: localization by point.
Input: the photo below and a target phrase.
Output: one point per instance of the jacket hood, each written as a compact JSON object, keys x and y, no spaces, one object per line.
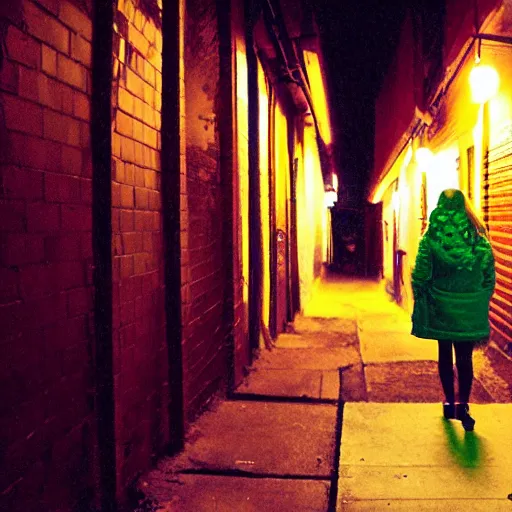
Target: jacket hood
{"x":452,"y":200}
{"x":451,"y":233}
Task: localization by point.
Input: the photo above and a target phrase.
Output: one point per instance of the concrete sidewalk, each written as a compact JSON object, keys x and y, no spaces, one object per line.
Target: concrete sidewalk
{"x":406,"y":457}
{"x":275,"y":446}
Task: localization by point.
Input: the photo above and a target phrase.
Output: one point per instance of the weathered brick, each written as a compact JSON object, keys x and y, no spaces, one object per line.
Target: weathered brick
{"x":61,"y":188}
{"x":71,"y":72}
{"x":134,"y":84}
{"x":67,"y":100}
{"x":86,"y":245}
{"x":46,"y":311}
{"x":9,"y":77}
{"x":150,"y":137}
{"x":85,"y":134}
{"x":68,"y":274}
{"x":138,"y":130}
{"x":43,"y":217}
{"x":50,"y":92}
{"x":36,"y":280}
{"x":149,"y":73}
{"x":61,"y":128}
{"x":76,"y":19}
{"x":124,"y":124}
{"x":127,"y":196}
{"x":28,"y":86}
{"x":129,"y":173}
{"x":23,"y":48}
{"x":76,"y":218}
{"x":79,"y":301}
{"x":46,"y":28}
{"x":116,"y":145}
{"x":141,"y":198}
{"x":12,"y":215}
{"x":126,"y":266}
{"x":86,"y":163}
{"x":86,"y":191}
{"x":131,"y":243}
{"x":117,"y":248}
{"x":73,"y":357}
{"x":155,"y":200}
{"x":127,"y":220}
{"x":140,"y":263}
{"x":138,"y":40}
{"x":50,"y":5}
{"x":22,"y":115}
{"x":66,"y":333}
{"x":22,"y":248}
{"x":81,"y":106}
{"x":116,"y":194}
{"x":49,"y":60}
{"x":71,"y":160}
{"x":10,"y":289}
{"x":63,"y":248}
{"x":28,"y":151}
{"x":127,"y":149}
{"x":81,"y":50}
{"x":139,"y":177}
{"x":125,"y":100}
{"x":127,"y":310}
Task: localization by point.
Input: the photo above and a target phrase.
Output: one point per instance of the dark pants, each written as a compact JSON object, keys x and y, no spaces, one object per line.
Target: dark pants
{"x":464,"y":363}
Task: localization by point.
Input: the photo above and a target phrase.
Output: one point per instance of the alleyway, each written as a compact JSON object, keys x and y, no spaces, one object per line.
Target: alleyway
{"x":343,"y":414}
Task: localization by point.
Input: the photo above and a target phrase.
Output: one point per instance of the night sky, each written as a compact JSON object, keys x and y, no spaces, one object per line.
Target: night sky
{"x":359,"y":38}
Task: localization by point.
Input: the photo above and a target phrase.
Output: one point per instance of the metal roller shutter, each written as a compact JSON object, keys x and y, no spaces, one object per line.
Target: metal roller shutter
{"x":498,"y":216}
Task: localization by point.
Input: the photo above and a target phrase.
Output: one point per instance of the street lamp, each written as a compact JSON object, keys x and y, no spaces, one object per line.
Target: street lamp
{"x":484,"y":81}
{"x":331,"y":196}
{"x":423,"y":158}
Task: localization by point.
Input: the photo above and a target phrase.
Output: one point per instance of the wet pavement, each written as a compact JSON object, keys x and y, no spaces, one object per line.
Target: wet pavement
{"x":344,"y":414}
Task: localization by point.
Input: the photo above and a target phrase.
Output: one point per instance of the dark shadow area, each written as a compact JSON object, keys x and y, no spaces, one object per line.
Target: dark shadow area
{"x":467,"y":450}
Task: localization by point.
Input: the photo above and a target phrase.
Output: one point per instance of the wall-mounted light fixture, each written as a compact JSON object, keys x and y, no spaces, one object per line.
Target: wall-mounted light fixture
{"x":484,"y":82}
{"x":423,"y":158}
{"x":331,"y":196}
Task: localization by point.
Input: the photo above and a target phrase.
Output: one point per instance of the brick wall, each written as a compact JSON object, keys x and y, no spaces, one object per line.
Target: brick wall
{"x":46,"y":427}
{"x":204,"y":350}
{"x":140,"y":356}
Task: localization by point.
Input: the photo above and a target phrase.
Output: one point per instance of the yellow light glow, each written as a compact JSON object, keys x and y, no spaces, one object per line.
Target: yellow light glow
{"x":335,"y":181}
{"x":424,"y":158}
{"x":408,"y":156}
{"x":395,"y":200}
{"x":318,"y":94}
{"x":242,"y":108}
{"x":484,"y":82}
{"x":264,"y":192}
{"x":331,"y":197}
{"x":442,"y":174}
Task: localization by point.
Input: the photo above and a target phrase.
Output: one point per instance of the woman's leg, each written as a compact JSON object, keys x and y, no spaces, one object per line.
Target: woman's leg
{"x":464,"y":362}
{"x":445,"y":366}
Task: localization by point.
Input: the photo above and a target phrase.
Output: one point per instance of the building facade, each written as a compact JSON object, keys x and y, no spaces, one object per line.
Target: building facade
{"x":163,"y":172}
{"x":443,"y":121}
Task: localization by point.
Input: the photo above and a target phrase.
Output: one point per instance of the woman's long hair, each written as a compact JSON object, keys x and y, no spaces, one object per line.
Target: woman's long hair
{"x":475,"y":219}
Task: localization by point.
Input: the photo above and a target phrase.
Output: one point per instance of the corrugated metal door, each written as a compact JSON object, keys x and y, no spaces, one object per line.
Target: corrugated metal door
{"x":498,"y":216}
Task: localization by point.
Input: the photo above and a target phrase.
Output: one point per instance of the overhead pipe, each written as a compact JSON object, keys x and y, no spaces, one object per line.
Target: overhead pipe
{"x":277,"y":26}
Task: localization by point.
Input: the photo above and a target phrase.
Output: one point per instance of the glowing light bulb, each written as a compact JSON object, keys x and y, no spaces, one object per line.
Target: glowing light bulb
{"x":484,"y":82}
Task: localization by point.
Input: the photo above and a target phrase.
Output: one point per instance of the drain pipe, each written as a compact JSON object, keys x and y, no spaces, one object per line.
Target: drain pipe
{"x":276,"y":30}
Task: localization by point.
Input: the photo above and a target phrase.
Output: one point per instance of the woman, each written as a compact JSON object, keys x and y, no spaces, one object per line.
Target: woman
{"x":453,"y":281}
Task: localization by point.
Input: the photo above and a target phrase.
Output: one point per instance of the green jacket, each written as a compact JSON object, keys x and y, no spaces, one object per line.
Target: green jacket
{"x":454,"y":277}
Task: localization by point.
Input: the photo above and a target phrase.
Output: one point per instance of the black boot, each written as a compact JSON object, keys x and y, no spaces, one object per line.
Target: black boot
{"x":449,"y":410}
{"x":462,"y":414}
